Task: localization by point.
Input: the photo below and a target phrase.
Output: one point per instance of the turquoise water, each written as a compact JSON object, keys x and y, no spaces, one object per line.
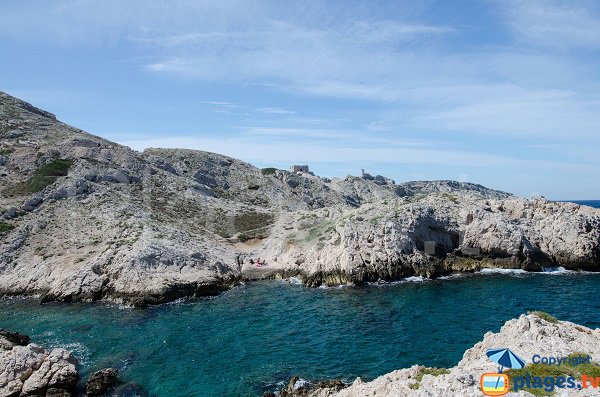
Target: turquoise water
{"x":247,"y":340}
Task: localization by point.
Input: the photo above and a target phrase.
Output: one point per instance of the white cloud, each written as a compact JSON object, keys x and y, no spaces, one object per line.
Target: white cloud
{"x":554,"y":23}
{"x":274,"y":110}
{"x":404,"y":63}
{"x":257,"y":151}
{"x":550,"y":113}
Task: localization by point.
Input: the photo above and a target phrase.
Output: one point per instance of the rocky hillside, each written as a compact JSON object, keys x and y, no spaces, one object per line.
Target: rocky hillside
{"x":82,"y":218}
{"x":527,"y":336}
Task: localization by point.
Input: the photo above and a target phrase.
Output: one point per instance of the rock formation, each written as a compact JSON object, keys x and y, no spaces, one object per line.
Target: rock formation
{"x":82,"y":219}
{"x":29,"y":370}
{"x":101,"y":382}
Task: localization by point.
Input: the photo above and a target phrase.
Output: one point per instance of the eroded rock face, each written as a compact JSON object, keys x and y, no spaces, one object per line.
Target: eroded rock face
{"x":86,"y":219}
{"x":29,"y":370}
{"x":428,"y":237}
{"x":527,"y":335}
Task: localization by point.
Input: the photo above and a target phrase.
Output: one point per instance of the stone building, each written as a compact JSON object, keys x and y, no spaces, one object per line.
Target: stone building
{"x":299,"y":168}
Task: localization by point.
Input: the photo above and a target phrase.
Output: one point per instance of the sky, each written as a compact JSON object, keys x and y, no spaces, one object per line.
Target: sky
{"x":504,"y":93}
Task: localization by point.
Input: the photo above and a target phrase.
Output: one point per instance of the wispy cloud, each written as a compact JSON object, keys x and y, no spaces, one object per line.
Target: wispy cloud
{"x":258,"y":151}
{"x":273,"y":110}
{"x":298,"y":132}
{"x":414,"y":82}
{"x":221,"y":103}
{"x":554,"y":23}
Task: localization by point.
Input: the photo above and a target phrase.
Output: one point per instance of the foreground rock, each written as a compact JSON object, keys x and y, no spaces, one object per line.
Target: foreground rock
{"x":101,"y":381}
{"x":527,"y":336}
{"x":29,"y":370}
{"x":82,"y":219}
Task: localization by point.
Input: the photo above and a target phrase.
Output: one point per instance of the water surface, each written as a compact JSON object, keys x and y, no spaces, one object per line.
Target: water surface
{"x":250,"y":338}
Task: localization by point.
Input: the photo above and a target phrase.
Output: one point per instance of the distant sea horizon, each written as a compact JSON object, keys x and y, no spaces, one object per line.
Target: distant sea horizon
{"x":589,"y":203}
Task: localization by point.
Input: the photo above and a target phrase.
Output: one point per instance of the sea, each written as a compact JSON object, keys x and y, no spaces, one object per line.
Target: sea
{"x":255,"y":337}
{"x":589,"y":203}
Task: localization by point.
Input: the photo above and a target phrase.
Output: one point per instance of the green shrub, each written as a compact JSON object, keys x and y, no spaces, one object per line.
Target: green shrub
{"x":545,"y":316}
{"x":431,"y":371}
{"x":44,"y":176}
{"x":450,"y":197}
{"x":243,"y":237}
{"x":375,"y":220}
{"x":5,"y":228}
{"x":268,"y":171}
{"x":427,"y":371}
{"x":252,"y":220}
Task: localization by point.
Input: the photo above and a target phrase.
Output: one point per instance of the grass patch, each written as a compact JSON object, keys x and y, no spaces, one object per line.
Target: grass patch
{"x":251,"y":220}
{"x":44,"y":176}
{"x":319,"y":230}
{"x":545,"y":316}
{"x":431,"y":371}
{"x":417,"y":198}
{"x":247,"y":225}
{"x":5,"y":228}
{"x":450,"y":197}
{"x":6,"y":151}
{"x":268,"y":171}
{"x":427,"y":371}
{"x":375,"y":220}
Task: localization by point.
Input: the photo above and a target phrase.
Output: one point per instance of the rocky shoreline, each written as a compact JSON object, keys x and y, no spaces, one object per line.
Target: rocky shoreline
{"x":532,"y":334}
{"x":27,"y":369}
{"x":85,"y":219}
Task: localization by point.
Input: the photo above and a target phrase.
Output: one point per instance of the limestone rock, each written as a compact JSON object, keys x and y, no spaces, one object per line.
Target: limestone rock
{"x":101,"y":381}
{"x":29,"y":370}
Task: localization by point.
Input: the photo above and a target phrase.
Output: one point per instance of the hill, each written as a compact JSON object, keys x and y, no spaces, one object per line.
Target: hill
{"x":83,"y":218}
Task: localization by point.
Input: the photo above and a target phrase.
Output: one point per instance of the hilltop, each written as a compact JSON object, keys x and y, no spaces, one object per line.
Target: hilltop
{"x":83,"y":218}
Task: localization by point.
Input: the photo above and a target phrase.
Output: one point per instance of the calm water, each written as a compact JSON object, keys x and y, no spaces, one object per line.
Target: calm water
{"x":248,"y":339}
{"x":590,"y":203}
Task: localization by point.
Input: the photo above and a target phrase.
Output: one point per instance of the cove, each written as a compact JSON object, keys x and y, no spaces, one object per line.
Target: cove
{"x":249,"y":339}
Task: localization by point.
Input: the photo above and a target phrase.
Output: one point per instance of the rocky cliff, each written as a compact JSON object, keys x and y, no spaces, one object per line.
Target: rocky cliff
{"x":82,"y":218}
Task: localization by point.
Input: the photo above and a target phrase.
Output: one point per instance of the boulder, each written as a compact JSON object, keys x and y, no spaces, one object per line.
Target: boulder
{"x":29,"y":370}
{"x":14,"y":337}
{"x":57,"y":370}
{"x":32,"y":203}
{"x":101,"y":381}
{"x":54,"y":392}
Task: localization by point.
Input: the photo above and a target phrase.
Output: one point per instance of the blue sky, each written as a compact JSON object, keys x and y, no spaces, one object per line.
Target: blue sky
{"x":503,"y":93}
